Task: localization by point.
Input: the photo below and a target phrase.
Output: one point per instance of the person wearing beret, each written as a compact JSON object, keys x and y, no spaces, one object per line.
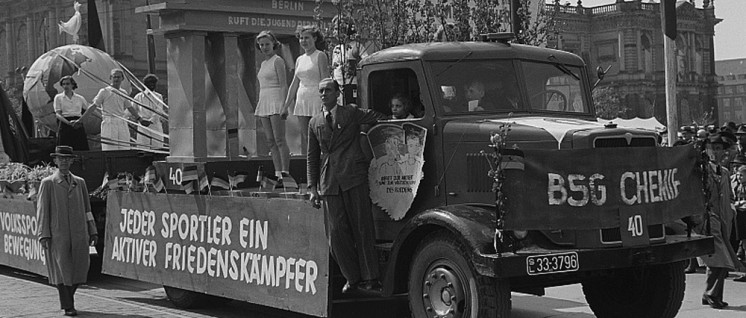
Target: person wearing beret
{"x":65,"y":228}
{"x":721,"y":216}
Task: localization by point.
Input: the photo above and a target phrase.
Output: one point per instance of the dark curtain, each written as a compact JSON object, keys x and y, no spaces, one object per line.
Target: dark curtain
{"x":95,"y":36}
{"x":13,"y":138}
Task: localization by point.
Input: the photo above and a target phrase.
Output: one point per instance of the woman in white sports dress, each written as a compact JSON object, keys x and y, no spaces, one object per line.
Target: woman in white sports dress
{"x":310,"y":68}
{"x":271,"y":108}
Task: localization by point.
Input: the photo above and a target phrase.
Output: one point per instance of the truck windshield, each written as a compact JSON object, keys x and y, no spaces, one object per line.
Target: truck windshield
{"x":554,"y":87}
{"x":477,"y":86}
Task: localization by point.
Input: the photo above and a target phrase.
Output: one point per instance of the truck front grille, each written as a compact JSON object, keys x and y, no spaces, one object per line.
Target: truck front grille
{"x":608,"y":142}
{"x":477,"y":179}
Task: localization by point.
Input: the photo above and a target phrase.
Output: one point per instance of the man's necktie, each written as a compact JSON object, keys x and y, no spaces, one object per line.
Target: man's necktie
{"x":329,"y":121}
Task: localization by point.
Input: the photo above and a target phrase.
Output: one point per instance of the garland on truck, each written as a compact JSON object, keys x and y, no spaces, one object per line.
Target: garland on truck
{"x":498,"y":141}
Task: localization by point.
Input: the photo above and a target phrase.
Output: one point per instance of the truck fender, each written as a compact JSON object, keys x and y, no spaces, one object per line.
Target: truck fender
{"x":473,"y":225}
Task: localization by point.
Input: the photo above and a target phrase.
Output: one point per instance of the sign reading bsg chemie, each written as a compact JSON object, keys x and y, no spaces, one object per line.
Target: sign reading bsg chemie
{"x":599,"y":188}
{"x":20,"y":245}
{"x":267,"y":251}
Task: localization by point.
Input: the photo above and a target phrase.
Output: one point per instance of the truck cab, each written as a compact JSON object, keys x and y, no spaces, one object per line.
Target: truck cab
{"x":445,"y":252}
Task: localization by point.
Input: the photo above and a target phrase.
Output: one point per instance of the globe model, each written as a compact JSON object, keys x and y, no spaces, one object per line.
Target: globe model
{"x":89,"y":67}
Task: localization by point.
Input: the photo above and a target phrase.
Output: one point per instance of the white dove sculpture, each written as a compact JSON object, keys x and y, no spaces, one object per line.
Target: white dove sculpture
{"x":72,"y":26}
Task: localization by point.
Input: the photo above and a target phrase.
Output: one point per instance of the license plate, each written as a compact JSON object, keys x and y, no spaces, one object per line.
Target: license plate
{"x":552,"y":263}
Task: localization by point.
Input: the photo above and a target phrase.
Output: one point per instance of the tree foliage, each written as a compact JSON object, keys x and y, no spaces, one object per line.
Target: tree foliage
{"x":387,"y":23}
{"x":540,"y":30}
{"x":609,"y":103}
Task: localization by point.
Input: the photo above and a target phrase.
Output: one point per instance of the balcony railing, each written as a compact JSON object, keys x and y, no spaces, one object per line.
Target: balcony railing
{"x":608,"y":8}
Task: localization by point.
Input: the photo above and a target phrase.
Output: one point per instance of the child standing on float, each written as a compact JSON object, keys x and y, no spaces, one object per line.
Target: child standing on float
{"x":310,"y":68}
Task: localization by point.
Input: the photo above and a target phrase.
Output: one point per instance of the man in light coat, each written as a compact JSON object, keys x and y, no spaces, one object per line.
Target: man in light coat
{"x":66,"y":228}
{"x":115,"y":133}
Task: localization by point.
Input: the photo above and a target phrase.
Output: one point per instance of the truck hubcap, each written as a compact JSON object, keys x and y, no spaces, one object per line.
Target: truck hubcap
{"x":443,"y":294}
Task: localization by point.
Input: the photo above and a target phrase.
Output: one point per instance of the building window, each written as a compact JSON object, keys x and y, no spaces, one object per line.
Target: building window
{"x":3,"y":62}
{"x":741,"y":76}
{"x":726,"y":104}
{"x":647,"y":53}
{"x":729,"y":90}
{"x":731,"y":77}
{"x":740,"y":89}
{"x":721,"y":90}
{"x":22,"y":46}
{"x":607,"y":51}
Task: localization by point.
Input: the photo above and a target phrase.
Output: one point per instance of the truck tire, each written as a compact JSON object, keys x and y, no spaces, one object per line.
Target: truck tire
{"x":187,"y":299}
{"x":443,"y":283}
{"x":652,"y":291}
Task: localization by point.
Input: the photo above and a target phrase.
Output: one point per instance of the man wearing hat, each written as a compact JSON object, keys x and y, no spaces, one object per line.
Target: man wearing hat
{"x":686,"y":135}
{"x":721,"y":217}
{"x":66,"y":228}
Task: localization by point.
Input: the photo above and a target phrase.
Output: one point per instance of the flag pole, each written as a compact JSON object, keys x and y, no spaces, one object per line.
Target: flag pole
{"x":668,"y":24}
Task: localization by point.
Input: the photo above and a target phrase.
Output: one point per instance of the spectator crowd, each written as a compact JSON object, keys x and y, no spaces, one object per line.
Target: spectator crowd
{"x":724,"y":176}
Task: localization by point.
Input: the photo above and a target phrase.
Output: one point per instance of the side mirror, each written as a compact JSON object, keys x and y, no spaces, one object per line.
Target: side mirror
{"x":600,"y":73}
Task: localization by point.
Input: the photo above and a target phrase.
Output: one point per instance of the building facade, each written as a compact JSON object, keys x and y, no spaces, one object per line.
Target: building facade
{"x":28,"y":29}
{"x":627,"y":35}
{"x":731,"y":97}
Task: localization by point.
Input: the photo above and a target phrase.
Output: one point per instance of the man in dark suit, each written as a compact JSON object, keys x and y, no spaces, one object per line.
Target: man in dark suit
{"x":338,"y":173}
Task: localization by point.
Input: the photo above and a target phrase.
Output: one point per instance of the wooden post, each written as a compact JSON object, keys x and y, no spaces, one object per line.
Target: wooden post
{"x":230,"y":105}
{"x":669,"y":48}
{"x":186,"y":92}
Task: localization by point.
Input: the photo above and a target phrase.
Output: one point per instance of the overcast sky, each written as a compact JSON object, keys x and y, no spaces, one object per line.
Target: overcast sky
{"x":730,"y":36}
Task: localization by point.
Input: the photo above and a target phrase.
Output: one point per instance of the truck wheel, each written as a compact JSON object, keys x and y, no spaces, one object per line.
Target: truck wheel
{"x":652,"y":291}
{"x":186,"y":299}
{"x":443,"y":283}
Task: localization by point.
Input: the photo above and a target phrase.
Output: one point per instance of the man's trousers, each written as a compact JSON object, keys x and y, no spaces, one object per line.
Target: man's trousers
{"x":67,"y":294}
{"x":351,"y":233}
{"x":715,"y":282}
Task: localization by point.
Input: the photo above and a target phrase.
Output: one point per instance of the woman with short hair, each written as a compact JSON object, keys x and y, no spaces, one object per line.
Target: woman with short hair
{"x":310,"y":68}
{"x":271,"y":109}
{"x":68,"y":108}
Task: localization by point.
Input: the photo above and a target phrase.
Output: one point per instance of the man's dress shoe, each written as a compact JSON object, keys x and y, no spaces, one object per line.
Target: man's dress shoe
{"x":714,"y":303}
{"x":364,"y":288}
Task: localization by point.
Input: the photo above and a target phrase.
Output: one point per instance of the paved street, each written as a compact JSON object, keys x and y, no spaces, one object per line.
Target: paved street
{"x":25,"y":295}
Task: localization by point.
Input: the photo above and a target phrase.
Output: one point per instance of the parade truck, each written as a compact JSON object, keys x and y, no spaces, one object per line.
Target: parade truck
{"x":501,"y":180}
